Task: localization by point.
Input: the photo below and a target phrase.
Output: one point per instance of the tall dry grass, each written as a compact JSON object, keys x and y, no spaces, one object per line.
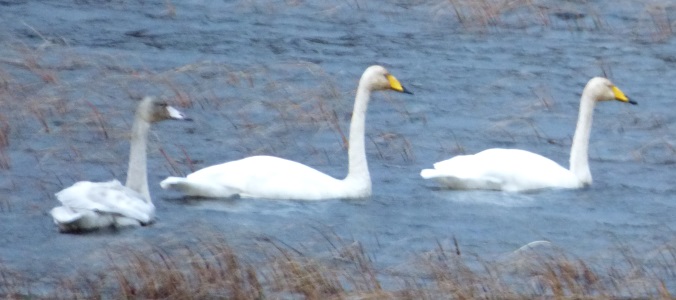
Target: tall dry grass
{"x":212,"y":269}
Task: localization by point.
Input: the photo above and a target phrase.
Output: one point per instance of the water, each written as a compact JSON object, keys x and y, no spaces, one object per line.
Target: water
{"x":279,"y":78}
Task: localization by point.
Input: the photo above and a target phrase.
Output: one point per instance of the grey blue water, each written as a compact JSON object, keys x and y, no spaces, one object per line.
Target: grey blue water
{"x":278,"y":78}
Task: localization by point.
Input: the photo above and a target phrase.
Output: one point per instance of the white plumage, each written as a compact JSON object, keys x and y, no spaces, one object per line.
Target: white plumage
{"x":519,"y":170}
{"x":91,"y":205}
{"x":277,"y":178}
{"x":265,"y":177}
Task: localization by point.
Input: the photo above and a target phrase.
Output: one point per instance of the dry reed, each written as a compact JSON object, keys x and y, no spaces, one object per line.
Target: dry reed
{"x":655,"y":19}
{"x":212,"y":269}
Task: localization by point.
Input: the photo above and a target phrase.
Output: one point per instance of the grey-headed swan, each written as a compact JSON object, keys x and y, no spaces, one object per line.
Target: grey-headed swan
{"x":91,"y":205}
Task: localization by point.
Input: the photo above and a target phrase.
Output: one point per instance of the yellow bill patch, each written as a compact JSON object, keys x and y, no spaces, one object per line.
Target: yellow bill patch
{"x":619,"y":95}
{"x":394,"y":83}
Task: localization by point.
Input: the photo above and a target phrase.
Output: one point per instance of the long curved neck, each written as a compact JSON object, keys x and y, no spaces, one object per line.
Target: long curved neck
{"x":137,"y":178}
{"x":579,"y":152}
{"x":358,"y":170}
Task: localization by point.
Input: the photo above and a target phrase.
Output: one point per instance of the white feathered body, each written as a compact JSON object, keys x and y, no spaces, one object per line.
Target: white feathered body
{"x":519,"y":170}
{"x":266,"y":177}
{"x":277,"y":178}
{"x":502,"y":169}
{"x":91,"y":205}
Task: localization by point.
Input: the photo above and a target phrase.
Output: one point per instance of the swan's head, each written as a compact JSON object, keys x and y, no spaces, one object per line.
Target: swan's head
{"x":602,"y":89}
{"x":378,"y":78}
{"x":153,"y":110}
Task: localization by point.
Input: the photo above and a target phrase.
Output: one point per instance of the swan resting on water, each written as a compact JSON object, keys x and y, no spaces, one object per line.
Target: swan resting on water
{"x":90,"y":205}
{"x":277,"y":178}
{"x":519,"y":170}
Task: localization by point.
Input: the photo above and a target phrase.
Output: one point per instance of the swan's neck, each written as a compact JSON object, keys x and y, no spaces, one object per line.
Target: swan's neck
{"x":137,"y":178}
{"x":579,"y":156}
{"x":358,"y":172}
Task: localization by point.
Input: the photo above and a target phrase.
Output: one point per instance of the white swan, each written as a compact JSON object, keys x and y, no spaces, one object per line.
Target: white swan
{"x":91,"y":205}
{"x":276,"y":178}
{"x":520,"y":170}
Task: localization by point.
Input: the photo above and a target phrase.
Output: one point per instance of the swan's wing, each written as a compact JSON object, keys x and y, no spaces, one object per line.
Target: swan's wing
{"x":79,"y":220}
{"x":504,"y":169}
{"x":107,"y":198}
{"x":267,"y":177}
{"x":463,"y":172}
{"x":523,"y":167}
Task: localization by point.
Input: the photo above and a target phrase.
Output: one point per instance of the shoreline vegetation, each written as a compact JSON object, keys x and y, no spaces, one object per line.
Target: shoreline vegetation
{"x":210,"y":268}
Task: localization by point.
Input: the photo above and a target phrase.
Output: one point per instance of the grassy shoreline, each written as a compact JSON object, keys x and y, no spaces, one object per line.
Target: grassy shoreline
{"x":212,"y":269}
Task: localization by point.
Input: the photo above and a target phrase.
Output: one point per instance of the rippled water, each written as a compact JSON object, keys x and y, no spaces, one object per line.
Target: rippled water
{"x":279,"y":78}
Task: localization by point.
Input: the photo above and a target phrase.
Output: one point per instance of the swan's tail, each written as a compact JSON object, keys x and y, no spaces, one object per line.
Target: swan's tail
{"x":187,"y":187}
{"x":176,"y":183}
{"x":429,"y":173}
{"x":196,"y":188}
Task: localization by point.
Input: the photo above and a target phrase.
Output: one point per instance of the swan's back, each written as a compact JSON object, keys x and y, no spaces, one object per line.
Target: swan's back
{"x":89,"y":205}
{"x":260,"y":177}
{"x":501,"y":169}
